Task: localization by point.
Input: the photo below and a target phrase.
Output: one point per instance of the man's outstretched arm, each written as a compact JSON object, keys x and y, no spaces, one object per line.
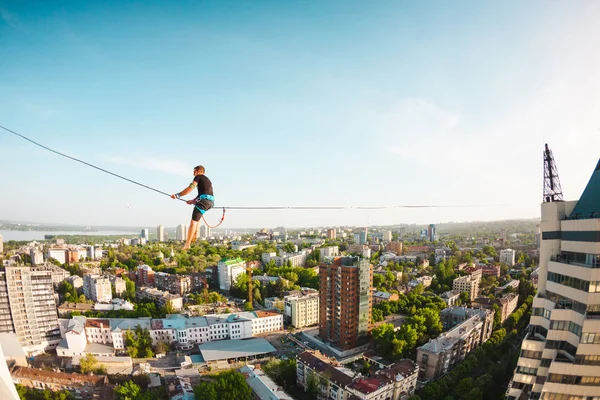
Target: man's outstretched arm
{"x":184,"y":191}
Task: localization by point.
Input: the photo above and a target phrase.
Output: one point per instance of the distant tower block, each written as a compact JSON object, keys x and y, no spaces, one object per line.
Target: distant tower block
{"x":552,"y":189}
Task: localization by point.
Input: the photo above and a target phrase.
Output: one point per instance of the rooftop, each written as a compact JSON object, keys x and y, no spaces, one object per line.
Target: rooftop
{"x":318,"y":364}
{"x":226,"y":349}
{"x":448,"y":339}
{"x":263,"y":386}
{"x":57,"y":377}
{"x":367,"y":385}
{"x":97,"y":323}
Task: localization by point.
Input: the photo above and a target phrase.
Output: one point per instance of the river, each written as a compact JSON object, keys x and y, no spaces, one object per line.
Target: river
{"x":39,"y":235}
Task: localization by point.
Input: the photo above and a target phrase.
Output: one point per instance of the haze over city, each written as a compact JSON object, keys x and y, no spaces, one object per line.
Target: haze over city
{"x":296,"y":104}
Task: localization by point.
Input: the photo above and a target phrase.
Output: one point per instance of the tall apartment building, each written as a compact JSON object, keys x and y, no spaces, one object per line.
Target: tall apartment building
{"x":394,"y":247}
{"x":507,"y":256}
{"x":204,"y":231}
{"x":1,"y":244}
{"x":59,"y":254}
{"x":229,"y":270}
{"x":302,"y":309}
{"x":97,"y":288}
{"x":173,"y":283}
{"x":181,"y":232}
{"x":28,"y":308}
{"x":560,"y":355}
{"x":331,"y":234}
{"x":118,"y":283}
{"x":345,"y":301}
{"x":144,"y":234}
{"x":160,"y":233}
{"x":467,"y":283}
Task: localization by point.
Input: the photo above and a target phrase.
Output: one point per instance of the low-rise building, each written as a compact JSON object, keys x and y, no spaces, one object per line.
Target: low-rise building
{"x":506,"y":304}
{"x":274,"y":303}
{"x":262,"y":386}
{"x":75,"y":281}
{"x":161,"y":298}
{"x":491,"y":270}
{"x":173,"y":283}
{"x":81,"y":386}
{"x":451,"y":297}
{"x":422,"y":280}
{"x":119,"y":284}
{"x":512,"y":284}
{"x":379,"y":297}
{"x":507,"y":256}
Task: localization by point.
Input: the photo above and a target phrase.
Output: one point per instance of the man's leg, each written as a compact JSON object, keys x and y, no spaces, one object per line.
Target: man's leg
{"x":191,"y":236}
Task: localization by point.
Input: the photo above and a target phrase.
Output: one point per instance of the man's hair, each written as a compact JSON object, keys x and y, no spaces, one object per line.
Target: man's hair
{"x":199,"y":168}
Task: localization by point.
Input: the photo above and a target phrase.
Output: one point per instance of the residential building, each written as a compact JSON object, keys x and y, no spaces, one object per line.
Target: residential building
{"x":274,"y":303}
{"x":58,"y":274}
{"x":1,"y":244}
{"x":204,"y":231}
{"x":262,"y":386}
{"x":450,"y":297}
{"x":181,"y":233}
{"x":160,"y":297}
{"x":59,"y":254}
{"x":466,"y":284}
{"x":144,"y":234}
{"x":440,"y":355}
{"x":173,"y":283}
{"x":360,"y":237}
{"x":506,"y":304}
{"x":229,"y":270}
{"x":422,"y":280}
{"x":37,"y":257}
{"x":160,"y":233}
{"x":393,"y":381}
{"x":76,"y":281}
{"x":431,"y":233}
{"x":379,"y":297}
{"x":474,"y":272}
{"x":81,"y":386}
{"x":28,"y":308}
{"x":331,"y":234}
{"x":441,"y":254}
{"x":491,"y":270}
{"x":394,"y":247}
{"x":512,"y":284}
{"x":345,"y":301}
{"x":332,"y":251}
{"x":119,"y":284}
{"x":302,"y":309}
{"x":560,"y":354}
{"x":97,"y":288}
{"x":507,"y":256}
{"x":266,"y":257}
{"x":534,"y":277}
{"x":145,"y":276}
{"x":297,"y":259}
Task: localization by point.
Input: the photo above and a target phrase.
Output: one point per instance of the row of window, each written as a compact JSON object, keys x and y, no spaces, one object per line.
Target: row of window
{"x":536,"y":355}
{"x":590,"y":338}
{"x":566,"y":326}
{"x":574,"y":379}
{"x":563,"y":396}
{"x":526,"y":370}
{"x":561,"y":345}
{"x":566,"y":303}
{"x":575,"y":283}
{"x":585,"y":359}
{"x":541,"y":312}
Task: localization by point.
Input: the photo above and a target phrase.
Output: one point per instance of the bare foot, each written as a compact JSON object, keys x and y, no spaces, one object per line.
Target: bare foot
{"x":186,"y":247}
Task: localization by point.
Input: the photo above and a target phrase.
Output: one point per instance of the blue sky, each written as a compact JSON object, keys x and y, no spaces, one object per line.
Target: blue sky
{"x":296,"y":103}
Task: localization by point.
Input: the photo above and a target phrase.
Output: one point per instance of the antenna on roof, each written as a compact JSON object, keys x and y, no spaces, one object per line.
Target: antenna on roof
{"x":552,"y":188}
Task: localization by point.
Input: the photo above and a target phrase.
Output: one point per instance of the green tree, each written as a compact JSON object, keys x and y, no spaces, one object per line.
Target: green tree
{"x":229,"y":385}
{"x":88,"y":363}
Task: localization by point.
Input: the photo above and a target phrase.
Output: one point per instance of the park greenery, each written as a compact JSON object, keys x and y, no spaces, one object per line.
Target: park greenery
{"x":138,"y":343}
{"x":26,"y":393}
{"x":229,"y":385}
{"x":89,"y":363}
{"x":283,"y":372}
{"x":130,"y":390}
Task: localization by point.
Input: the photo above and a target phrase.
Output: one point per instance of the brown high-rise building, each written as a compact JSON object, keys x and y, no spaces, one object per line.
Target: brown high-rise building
{"x":345,"y":301}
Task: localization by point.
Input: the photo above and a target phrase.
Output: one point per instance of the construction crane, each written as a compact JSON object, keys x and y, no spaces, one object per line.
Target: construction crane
{"x":552,"y":188}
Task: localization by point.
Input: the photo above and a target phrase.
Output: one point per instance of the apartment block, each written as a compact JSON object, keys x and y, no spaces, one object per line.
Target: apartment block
{"x":160,"y":233}
{"x":302,"y":309}
{"x":79,"y":385}
{"x":229,"y":270}
{"x":491,"y":270}
{"x":97,"y":288}
{"x":28,"y":308}
{"x":58,"y":274}
{"x":162,"y":298}
{"x":507,"y":256}
{"x":331,"y":234}
{"x":379,"y":297}
{"x":119,"y":284}
{"x":394,"y":381}
{"x":466,"y":284}
{"x":37,"y":257}
{"x":331,"y":251}
{"x":450,"y":297}
{"x":440,"y":355}
{"x":59,"y":254}
{"x":345,"y":301}
{"x":181,"y":232}
{"x":394,"y":247}
{"x":145,"y":276}
{"x":560,"y":354}
{"x":173,"y":283}
{"x":506,"y":304}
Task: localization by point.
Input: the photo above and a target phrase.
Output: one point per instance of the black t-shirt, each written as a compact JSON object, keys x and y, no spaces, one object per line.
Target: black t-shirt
{"x":204,"y":185}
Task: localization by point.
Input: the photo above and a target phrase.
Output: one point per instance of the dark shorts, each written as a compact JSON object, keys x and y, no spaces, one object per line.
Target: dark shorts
{"x":203,"y":205}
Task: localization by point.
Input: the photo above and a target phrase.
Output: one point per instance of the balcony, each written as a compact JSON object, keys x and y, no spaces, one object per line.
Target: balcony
{"x":566,"y":260}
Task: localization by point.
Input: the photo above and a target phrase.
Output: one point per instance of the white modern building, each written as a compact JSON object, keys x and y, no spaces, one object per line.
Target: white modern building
{"x":59,"y":254}
{"x":302,"y":309}
{"x":97,"y":288}
{"x":160,"y":233}
{"x":229,"y":270}
{"x":181,"y":232}
{"x":331,"y":251}
{"x":204,"y":231}
{"x":507,"y":256}
{"x":560,"y":355}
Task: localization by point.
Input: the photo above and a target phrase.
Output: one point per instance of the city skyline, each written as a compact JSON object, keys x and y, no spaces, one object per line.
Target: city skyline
{"x":296,"y":105}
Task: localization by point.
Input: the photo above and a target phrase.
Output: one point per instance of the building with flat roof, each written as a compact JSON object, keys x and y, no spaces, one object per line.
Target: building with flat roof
{"x":379,"y":297}
{"x":81,"y":386}
{"x":507,"y":256}
{"x":466,"y":284}
{"x":263,"y":387}
{"x":161,"y":297}
{"x":229,"y":270}
{"x":246,"y":349}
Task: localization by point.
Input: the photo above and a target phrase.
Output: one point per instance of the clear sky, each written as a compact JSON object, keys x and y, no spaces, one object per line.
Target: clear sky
{"x":296,"y":103}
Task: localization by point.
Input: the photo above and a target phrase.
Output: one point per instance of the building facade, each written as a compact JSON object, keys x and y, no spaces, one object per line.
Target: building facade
{"x":160,"y":233}
{"x":560,"y":355}
{"x":229,"y":270}
{"x":97,"y":288}
{"x":28,"y":308}
{"x":302,"y":310}
{"x":345,"y":301}
{"x":507,"y":256}
{"x":466,"y":284}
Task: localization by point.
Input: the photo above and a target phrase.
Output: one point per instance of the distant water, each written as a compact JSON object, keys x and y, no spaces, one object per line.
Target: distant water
{"x":39,"y":235}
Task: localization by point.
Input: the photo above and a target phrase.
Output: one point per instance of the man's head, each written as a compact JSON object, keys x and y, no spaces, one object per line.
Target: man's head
{"x":198,"y":170}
